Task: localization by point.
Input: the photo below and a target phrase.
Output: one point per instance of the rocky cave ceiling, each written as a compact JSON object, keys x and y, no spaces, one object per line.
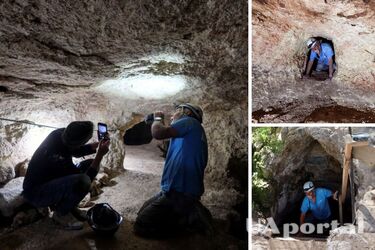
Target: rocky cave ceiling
{"x":280,"y":30}
{"x":49,"y":48}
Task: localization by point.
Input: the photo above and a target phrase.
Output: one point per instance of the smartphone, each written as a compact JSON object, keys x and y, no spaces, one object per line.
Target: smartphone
{"x":102,"y":131}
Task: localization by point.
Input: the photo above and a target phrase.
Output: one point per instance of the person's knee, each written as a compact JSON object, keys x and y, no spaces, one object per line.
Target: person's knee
{"x":84,"y":165}
{"x":82,"y":183}
{"x":153,"y":218}
{"x":139,"y":228}
{"x":143,"y":226}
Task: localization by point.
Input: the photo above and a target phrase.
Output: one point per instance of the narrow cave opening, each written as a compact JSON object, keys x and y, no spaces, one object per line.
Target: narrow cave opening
{"x":325,"y":172}
{"x":3,"y":89}
{"x":327,"y":46}
{"x":148,"y":158}
{"x":293,"y":211}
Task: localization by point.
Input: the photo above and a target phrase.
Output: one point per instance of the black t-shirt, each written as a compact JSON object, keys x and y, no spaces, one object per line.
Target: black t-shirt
{"x":52,"y":160}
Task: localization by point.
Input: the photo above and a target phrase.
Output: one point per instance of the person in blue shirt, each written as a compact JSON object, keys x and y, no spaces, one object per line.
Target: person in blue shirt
{"x":323,"y":53}
{"x":177,"y":206}
{"x":316,"y":201}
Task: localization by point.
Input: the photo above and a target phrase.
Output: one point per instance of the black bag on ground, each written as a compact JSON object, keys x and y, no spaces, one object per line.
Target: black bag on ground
{"x":139,"y":134}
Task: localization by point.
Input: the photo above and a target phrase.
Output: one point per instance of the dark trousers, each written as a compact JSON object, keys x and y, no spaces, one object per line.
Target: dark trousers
{"x":166,"y":214}
{"x":64,"y":193}
{"x":315,"y":221}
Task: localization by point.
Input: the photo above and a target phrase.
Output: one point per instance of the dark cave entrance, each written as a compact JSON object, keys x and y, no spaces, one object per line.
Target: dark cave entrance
{"x":3,"y":89}
{"x":293,"y":214}
{"x":320,"y":75}
{"x":325,"y":172}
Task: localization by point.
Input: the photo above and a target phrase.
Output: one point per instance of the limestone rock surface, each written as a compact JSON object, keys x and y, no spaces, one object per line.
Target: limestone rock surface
{"x":280,"y":32}
{"x":10,"y":196}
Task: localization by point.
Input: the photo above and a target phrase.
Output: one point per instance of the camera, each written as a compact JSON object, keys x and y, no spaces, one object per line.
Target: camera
{"x":149,"y":119}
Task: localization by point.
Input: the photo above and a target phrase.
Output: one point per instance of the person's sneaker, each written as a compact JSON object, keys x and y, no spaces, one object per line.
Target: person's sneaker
{"x":67,"y":222}
{"x":79,"y":214}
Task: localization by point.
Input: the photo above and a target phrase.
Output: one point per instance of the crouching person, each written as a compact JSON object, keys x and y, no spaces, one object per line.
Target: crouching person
{"x":177,"y":206}
{"x":53,"y":180}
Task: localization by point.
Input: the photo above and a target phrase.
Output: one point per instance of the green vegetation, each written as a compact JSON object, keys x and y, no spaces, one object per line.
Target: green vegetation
{"x":266,"y":145}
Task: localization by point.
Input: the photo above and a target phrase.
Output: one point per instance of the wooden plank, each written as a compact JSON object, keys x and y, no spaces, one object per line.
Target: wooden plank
{"x":341,"y":216}
{"x":359,"y":143}
{"x":352,"y":192}
{"x":345,"y":171}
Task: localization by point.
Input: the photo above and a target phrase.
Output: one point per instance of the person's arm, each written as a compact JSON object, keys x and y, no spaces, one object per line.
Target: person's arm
{"x":309,"y":66}
{"x":330,"y":70}
{"x":159,"y":131}
{"x":302,"y":218}
{"x":304,"y":209}
{"x":102,"y":150}
{"x":84,"y":150}
{"x":303,"y":71}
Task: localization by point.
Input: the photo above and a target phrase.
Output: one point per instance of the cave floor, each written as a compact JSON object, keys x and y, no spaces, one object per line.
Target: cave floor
{"x":260,"y":243}
{"x":127,"y":196}
{"x":293,"y":243}
{"x":44,"y":235}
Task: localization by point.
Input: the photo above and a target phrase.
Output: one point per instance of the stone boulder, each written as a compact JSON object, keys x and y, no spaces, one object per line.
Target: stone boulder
{"x":331,"y":139}
{"x":6,"y":148}
{"x":348,"y":238}
{"x":114,"y":159}
{"x":21,"y":168}
{"x":6,"y":170}
{"x":6,"y":173}
{"x":366,"y":212}
{"x":10,"y":197}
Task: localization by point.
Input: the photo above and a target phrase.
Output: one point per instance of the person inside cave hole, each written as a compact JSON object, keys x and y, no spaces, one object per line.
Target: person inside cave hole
{"x":315,"y":207}
{"x":321,"y":58}
{"x":177,"y":207}
{"x":53,"y":180}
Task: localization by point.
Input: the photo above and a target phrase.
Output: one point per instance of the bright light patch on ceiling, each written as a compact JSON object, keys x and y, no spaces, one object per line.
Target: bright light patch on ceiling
{"x":155,"y":76}
{"x":145,"y":85}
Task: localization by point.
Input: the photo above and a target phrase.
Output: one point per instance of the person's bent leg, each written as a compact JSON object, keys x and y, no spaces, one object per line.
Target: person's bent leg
{"x":63,"y":194}
{"x":80,"y":186}
{"x":200,"y":219}
{"x":156,"y":217}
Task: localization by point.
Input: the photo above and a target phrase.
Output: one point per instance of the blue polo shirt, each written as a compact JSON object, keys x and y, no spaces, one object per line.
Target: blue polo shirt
{"x":186,"y":158}
{"x":320,"y":209}
{"x":326,"y":53}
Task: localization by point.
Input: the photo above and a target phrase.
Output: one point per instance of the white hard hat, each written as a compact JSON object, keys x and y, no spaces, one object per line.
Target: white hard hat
{"x":311,"y":42}
{"x":308,"y":186}
{"x":195,"y":109}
